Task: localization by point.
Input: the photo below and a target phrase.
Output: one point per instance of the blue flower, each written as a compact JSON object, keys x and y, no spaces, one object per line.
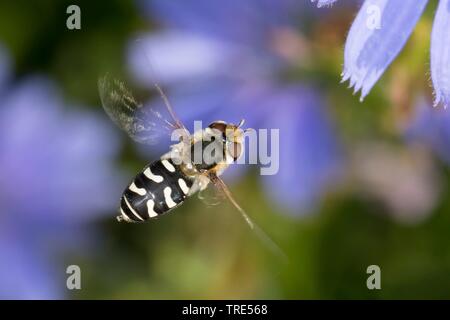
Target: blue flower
{"x":56,"y":176}
{"x":430,"y":127}
{"x":381,"y":30}
{"x":225,"y":61}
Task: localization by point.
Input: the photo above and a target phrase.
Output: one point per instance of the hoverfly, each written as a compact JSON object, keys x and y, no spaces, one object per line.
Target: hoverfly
{"x":164,"y":184}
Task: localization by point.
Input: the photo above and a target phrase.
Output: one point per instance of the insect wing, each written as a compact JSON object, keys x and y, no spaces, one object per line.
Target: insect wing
{"x":222,"y":188}
{"x":145,"y":123}
{"x":211,"y":196}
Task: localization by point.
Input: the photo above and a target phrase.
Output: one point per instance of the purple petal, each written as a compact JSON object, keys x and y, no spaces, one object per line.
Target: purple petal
{"x":26,"y":272}
{"x":440,"y":54}
{"x":431,"y":127}
{"x":57,"y":172}
{"x":54,"y":157}
{"x":377,"y":35}
{"x":246,"y":22}
{"x":176,"y":57}
{"x":309,"y":156}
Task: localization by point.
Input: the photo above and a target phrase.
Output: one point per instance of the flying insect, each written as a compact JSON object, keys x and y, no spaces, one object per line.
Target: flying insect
{"x":192,"y":164}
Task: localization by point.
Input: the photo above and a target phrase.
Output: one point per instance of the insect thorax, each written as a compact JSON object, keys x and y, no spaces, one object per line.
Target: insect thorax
{"x":204,"y":152}
{"x":205,"y":155}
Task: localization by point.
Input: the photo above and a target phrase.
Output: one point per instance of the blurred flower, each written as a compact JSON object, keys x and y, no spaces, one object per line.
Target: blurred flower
{"x":430,"y":127}
{"x":405,"y":181}
{"x":222,"y":61}
{"x":378,"y":34}
{"x":56,"y":175}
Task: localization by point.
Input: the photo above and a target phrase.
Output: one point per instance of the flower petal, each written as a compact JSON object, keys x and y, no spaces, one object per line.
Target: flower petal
{"x":377,"y":35}
{"x":236,"y":21}
{"x":26,"y":272}
{"x":430,"y":127}
{"x":70,"y":154}
{"x":176,"y":56}
{"x":440,"y":54}
{"x":309,"y":156}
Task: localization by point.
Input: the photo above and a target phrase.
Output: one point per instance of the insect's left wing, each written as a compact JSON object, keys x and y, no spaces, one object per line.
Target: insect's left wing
{"x":220,"y":185}
{"x":144,"y":123}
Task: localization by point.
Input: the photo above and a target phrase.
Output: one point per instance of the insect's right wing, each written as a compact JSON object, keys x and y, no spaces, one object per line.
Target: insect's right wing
{"x":222,"y":188}
{"x":144,"y":123}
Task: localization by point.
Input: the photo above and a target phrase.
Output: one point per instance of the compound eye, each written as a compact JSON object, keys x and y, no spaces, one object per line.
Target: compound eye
{"x":235,"y":149}
{"x":220,"y":126}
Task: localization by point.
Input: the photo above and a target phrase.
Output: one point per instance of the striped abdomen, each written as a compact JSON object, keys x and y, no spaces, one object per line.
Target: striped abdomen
{"x":160,"y":187}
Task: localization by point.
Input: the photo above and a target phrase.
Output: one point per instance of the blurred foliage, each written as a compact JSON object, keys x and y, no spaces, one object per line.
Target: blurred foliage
{"x":208,"y":252}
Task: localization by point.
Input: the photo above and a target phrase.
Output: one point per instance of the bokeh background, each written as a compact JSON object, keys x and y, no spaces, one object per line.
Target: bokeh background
{"x":359,"y":183}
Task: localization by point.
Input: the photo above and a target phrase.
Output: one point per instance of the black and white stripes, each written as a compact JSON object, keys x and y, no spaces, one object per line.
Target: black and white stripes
{"x":160,"y":187}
